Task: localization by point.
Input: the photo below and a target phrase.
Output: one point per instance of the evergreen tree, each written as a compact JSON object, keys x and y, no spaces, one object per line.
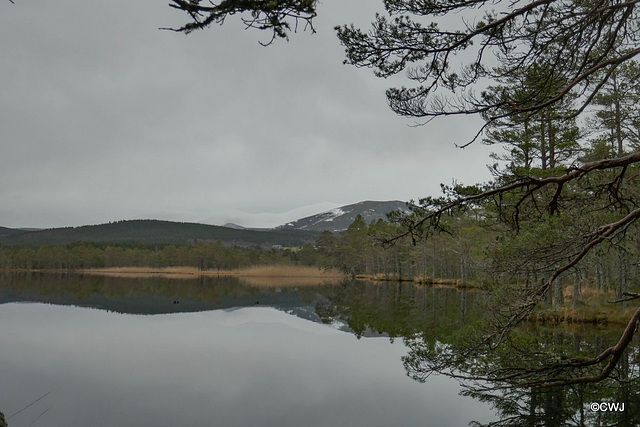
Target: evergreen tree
{"x":618,"y":115}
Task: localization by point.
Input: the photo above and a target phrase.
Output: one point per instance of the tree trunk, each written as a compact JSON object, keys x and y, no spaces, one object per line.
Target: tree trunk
{"x":552,"y":143}
{"x":558,"y":296}
{"x":577,"y":280}
{"x":622,"y":274}
{"x":543,"y":145}
{"x":618,"y":116}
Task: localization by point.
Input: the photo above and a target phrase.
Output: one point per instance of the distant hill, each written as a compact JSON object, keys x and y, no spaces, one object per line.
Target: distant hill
{"x":294,"y":233}
{"x":154,"y":232}
{"x":4,"y":231}
{"x":240,"y":227}
{"x":340,"y":218}
{"x":234,"y":226}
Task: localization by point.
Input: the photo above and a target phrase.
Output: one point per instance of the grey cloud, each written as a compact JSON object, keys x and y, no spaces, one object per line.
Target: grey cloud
{"x":103,"y":116}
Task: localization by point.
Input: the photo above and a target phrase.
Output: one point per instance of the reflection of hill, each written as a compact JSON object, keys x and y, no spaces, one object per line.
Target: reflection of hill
{"x":367,"y":309}
{"x":145,"y":295}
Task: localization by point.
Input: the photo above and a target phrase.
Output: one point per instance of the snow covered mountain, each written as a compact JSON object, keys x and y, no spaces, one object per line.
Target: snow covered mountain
{"x":340,"y":218}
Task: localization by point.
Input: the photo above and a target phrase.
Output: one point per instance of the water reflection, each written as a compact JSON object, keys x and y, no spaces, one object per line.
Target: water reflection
{"x":246,"y":367}
{"x":389,"y":309}
{"x":253,"y":365}
{"x":510,"y":377}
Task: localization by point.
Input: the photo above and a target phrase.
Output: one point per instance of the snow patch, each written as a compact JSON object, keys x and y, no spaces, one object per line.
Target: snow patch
{"x":330,"y":215}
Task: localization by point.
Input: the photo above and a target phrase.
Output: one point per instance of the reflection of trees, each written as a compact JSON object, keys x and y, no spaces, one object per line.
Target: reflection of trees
{"x":563,"y":406}
{"x":510,"y":378}
{"x":442,"y":327}
{"x":398,"y":309}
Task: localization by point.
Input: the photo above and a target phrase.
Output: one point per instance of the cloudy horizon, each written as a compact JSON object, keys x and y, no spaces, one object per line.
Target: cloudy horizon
{"x":105,"y":117}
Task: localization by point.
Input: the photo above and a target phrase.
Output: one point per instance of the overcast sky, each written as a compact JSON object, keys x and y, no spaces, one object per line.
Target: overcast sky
{"x":105,"y":117}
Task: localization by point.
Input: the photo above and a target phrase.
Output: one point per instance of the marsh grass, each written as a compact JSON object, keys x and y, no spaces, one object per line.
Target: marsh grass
{"x":260,"y":276}
{"x":594,"y":306}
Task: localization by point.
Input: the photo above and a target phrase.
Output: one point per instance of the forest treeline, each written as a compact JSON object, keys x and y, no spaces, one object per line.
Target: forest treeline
{"x":471,"y":251}
{"x":83,"y":255}
{"x":355,"y":251}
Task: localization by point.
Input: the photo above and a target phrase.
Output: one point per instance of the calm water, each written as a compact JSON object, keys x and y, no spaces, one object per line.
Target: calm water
{"x":86,"y":351}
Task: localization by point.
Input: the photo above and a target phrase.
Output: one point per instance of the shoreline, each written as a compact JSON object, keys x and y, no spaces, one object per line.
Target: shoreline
{"x":593,"y":311}
{"x":420,"y":280}
{"x":270,"y":271}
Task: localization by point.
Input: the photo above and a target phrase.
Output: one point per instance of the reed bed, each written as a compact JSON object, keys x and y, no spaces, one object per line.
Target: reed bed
{"x":261,"y":276}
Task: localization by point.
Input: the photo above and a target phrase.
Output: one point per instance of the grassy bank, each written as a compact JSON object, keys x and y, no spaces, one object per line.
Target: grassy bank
{"x":593,"y":306}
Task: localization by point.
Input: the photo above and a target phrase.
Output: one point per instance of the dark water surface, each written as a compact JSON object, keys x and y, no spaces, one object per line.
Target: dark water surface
{"x":95,"y":351}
